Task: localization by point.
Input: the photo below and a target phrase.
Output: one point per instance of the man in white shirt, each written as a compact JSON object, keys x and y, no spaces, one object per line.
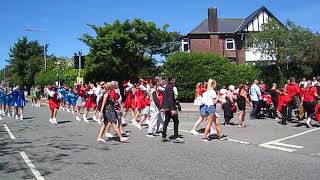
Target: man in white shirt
{"x":304,"y":82}
{"x":255,"y":95}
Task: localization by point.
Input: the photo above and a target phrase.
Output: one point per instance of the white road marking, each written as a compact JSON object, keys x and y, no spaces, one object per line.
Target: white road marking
{"x":35,"y":172}
{"x":232,"y":140}
{"x":287,"y":147}
{"x":9,"y":132}
{"x":315,"y":154}
{"x":238,"y":141}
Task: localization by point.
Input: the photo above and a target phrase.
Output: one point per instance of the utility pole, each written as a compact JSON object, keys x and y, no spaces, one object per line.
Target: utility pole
{"x":44,"y":46}
{"x":80,"y":54}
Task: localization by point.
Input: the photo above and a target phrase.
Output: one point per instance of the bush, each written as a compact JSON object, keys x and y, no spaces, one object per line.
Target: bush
{"x":191,"y":68}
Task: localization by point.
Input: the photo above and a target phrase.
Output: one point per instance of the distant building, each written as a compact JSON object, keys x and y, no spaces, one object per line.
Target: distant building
{"x":227,"y":36}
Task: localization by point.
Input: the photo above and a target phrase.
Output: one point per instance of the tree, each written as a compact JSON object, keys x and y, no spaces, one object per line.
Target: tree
{"x":26,"y":60}
{"x":125,"y":50}
{"x":296,"y":48}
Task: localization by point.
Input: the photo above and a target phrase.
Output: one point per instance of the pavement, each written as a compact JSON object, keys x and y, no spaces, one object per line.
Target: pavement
{"x":35,"y":149}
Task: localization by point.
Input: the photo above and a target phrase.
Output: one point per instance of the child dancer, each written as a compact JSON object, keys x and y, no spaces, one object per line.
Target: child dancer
{"x":72,"y":99}
{"x":53,"y":104}
{"x":91,"y":103}
{"x":284,"y":100}
{"x":81,"y":100}
{"x":128,"y":104}
{"x":20,"y":102}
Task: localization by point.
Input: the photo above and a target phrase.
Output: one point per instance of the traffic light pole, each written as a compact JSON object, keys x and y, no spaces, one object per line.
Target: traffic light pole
{"x":80,"y":54}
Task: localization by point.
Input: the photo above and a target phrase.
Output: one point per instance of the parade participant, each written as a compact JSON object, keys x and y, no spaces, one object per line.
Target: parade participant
{"x":72,"y":100}
{"x":255,"y":96}
{"x":200,"y":89}
{"x":170,"y":111}
{"x":242,"y":101}
{"x":293,"y":91}
{"x":226,"y":99}
{"x":283,"y":103}
{"x":210,"y":99}
{"x":141,"y":104}
{"x":109,"y":114}
{"x":129,"y":102}
{"x":309,"y":96}
{"x":91,"y":103}
{"x":53,"y":104}
{"x":1,"y":101}
{"x":274,"y":97}
{"x":20,"y":102}
{"x":155,"y":108}
{"x":33,"y":96}
{"x":145,"y":114}
{"x":7,"y":101}
{"x":37,"y":96}
{"x":81,"y":99}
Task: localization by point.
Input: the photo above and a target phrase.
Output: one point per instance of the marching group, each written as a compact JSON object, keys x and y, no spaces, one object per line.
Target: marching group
{"x":154,"y":102}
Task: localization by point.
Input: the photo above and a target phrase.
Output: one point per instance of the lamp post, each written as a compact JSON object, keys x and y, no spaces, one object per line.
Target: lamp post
{"x":44,"y":46}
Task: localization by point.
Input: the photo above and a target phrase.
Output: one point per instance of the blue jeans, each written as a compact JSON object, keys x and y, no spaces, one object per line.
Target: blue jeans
{"x":255,"y":109}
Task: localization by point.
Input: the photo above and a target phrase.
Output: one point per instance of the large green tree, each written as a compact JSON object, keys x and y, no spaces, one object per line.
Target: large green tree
{"x":295,"y":48}
{"x":127,"y":50}
{"x":26,"y":60}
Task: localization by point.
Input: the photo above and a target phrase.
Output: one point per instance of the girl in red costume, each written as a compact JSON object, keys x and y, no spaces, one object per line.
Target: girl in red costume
{"x":53,"y":104}
{"x":141,"y":104}
{"x":129,"y":103}
{"x":81,"y":99}
{"x":91,"y":103}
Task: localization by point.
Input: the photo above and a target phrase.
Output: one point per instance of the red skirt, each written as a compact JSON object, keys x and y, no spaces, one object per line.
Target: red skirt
{"x":90,"y":104}
{"x":129,"y":103}
{"x":141,"y":103}
{"x":53,"y":104}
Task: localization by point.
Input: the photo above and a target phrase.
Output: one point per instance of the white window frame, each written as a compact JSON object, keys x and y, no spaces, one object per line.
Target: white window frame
{"x":230,"y":40}
{"x":184,"y":42}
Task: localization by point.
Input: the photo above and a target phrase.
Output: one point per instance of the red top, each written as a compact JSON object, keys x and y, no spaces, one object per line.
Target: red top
{"x":267,"y":98}
{"x":292,"y":90}
{"x":81,"y":92}
{"x":263,"y":87}
{"x":308,"y":95}
{"x":283,"y":101}
{"x":201,"y":90}
{"x":317,"y":111}
{"x":114,"y":95}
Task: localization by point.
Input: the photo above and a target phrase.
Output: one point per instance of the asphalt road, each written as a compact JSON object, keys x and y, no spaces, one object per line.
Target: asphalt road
{"x":69,"y":150}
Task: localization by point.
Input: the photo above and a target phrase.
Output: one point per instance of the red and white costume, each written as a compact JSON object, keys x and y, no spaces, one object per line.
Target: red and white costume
{"x":129,"y":102}
{"x":91,"y":101}
{"x":53,"y":98}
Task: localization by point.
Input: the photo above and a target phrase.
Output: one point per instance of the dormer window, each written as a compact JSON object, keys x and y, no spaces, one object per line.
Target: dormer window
{"x":230,"y":44}
{"x":185,"y":45}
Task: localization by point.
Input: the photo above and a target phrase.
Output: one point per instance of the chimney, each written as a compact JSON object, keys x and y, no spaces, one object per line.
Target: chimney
{"x":213,"y":19}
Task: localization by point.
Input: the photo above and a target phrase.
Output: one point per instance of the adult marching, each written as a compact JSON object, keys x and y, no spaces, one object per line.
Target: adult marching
{"x":109,"y":114}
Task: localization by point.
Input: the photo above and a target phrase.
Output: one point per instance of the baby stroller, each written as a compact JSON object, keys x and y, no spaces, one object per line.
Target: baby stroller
{"x":266,"y":106}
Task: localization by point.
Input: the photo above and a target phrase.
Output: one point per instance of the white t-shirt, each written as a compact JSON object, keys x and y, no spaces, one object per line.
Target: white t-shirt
{"x":209,"y":96}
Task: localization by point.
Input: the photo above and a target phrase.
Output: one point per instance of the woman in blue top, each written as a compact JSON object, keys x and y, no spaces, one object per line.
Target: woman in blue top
{"x":7,"y":100}
{"x":19,"y":101}
{"x":1,"y":101}
{"x":72,"y":100}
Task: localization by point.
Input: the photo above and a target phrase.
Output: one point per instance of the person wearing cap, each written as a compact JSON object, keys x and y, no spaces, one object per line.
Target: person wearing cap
{"x":128,"y":104}
{"x":91,"y":104}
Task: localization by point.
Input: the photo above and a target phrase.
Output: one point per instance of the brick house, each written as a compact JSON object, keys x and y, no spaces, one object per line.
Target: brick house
{"x":227,"y":36}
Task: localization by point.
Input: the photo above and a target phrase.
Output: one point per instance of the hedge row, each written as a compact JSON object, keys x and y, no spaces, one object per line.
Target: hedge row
{"x":191,"y":68}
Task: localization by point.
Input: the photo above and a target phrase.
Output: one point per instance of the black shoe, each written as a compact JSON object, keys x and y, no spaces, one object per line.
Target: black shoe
{"x":283,"y":123}
{"x":165,"y":140}
{"x":223,"y":137}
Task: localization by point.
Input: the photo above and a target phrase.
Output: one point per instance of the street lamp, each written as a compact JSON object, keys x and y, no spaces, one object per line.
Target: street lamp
{"x":44,"y":46}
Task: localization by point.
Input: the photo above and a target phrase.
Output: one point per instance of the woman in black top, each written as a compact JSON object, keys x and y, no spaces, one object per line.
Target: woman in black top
{"x":242,"y":100}
{"x":274,"y":97}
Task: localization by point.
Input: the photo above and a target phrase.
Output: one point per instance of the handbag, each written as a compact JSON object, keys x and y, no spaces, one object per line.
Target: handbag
{"x":301,"y":112}
{"x":233,"y":108}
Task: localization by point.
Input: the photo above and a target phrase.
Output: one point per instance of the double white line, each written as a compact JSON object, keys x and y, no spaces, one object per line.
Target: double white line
{"x":26,"y":159}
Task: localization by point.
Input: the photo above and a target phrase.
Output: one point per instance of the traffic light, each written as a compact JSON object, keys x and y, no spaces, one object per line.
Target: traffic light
{"x":76,"y":62}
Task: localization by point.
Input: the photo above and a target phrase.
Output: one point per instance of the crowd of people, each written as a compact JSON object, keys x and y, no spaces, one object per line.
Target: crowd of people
{"x":154,"y":102}
{"x":276,"y":103}
{"x":12,"y":101}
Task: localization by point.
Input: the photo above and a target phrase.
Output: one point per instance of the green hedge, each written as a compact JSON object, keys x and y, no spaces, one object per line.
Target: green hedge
{"x":191,"y":68}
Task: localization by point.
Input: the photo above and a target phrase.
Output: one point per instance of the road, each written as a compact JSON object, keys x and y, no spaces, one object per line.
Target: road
{"x":35,"y":149}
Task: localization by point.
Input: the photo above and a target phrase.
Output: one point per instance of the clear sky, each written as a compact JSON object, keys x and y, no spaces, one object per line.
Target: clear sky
{"x":65,"y":20}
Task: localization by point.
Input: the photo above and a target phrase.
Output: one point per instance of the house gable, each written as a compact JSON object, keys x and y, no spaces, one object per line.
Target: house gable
{"x":255,"y":21}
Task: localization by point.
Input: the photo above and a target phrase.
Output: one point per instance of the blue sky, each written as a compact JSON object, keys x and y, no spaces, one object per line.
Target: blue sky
{"x":65,"y":20}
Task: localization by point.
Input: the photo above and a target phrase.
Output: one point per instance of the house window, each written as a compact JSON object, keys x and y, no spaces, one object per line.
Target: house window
{"x":230,"y":44}
{"x":185,"y":45}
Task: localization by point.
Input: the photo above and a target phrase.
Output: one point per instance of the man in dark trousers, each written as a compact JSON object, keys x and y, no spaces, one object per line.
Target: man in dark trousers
{"x":170,"y":111}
